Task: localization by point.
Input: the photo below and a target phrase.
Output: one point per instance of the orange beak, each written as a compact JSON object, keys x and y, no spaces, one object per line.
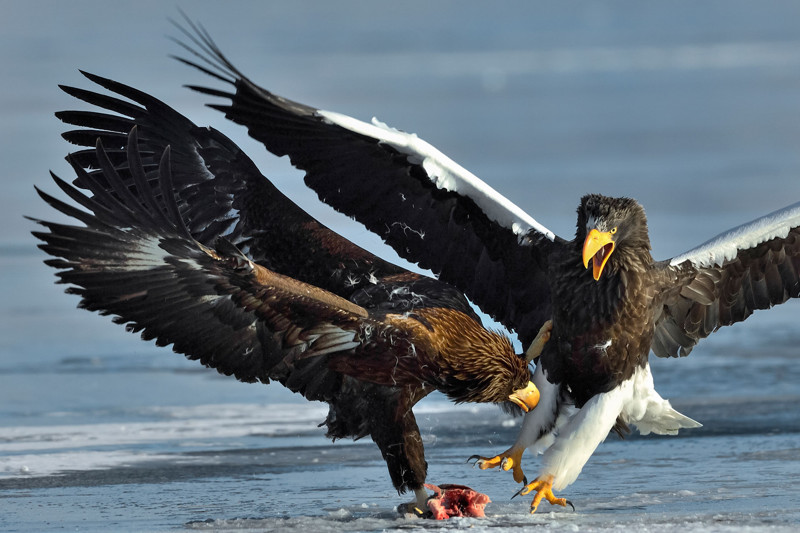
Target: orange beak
{"x":526,"y":398}
{"x":598,"y":247}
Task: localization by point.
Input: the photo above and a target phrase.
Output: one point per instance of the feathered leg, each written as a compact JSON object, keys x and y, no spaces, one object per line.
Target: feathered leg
{"x":397,"y":435}
{"x":575,"y":443}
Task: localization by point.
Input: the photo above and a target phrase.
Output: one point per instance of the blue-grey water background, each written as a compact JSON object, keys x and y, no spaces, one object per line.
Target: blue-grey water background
{"x":692,"y":107}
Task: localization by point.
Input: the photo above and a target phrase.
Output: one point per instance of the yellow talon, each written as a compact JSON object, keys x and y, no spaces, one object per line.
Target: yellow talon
{"x":544,"y":490}
{"x":510,"y":459}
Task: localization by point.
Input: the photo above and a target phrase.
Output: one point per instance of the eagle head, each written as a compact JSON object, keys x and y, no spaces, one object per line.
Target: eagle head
{"x":612,"y":226}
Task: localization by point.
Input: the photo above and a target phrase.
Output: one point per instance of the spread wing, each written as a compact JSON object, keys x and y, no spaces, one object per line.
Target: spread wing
{"x":134,"y":258}
{"x":753,"y":266}
{"x":218,"y":189}
{"x":428,"y":208}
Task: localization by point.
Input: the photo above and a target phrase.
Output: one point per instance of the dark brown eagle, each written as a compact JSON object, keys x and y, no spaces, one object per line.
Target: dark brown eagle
{"x":610,"y":302}
{"x":184,"y":240}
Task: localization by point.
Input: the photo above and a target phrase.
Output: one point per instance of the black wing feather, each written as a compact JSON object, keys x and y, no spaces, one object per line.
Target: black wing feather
{"x":135,"y":259}
{"x":393,"y":197}
{"x":218,"y":189}
{"x":707,"y":298}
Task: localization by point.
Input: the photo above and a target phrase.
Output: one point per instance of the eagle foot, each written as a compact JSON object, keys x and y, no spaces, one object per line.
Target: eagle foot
{"x":544,"y":490}
{"x":411,"y":508}
{"x":417,"y":507}
{"x":511,"y":459}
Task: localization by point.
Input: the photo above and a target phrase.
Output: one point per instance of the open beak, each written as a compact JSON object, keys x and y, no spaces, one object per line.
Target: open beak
{"x":526,"y":398}
{"x":598,"y":247}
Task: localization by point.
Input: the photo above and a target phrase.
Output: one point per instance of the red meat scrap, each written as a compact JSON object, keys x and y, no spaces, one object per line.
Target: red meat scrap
{"x":455,"y":500}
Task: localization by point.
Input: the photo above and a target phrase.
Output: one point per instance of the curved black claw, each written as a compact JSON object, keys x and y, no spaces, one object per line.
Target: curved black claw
{"x":475,"y":457}
{"x":523,"y":488}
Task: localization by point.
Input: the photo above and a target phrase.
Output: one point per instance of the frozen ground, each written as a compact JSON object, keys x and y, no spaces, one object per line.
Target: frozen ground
{"x":690,"y":107}
{"x":224,"y":468}
{"x":265,"y":466}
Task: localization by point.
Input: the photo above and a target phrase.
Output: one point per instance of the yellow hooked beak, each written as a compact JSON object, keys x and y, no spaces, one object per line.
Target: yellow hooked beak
{"x":598,"y":247}
{"x":526,"y":398}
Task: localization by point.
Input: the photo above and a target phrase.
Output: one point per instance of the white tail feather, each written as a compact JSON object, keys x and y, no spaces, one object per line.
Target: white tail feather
{"x":663,"y":420}
{"x":651,"y":413}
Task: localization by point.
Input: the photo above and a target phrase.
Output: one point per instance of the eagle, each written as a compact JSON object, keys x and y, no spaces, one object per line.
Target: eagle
{"x":610,"y":302}
{"x":181,"y":238}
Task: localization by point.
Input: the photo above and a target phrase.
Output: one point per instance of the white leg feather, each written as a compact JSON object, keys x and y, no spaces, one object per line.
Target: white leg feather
{"x":538,"y":422}
{"x":584,"y":432}
{"x":570,"y":439}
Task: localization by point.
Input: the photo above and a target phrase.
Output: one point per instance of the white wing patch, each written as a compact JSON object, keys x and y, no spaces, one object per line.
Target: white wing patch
{"x":145,"y":254}
{"x":444,"y":172}
{"x":725,"y":246}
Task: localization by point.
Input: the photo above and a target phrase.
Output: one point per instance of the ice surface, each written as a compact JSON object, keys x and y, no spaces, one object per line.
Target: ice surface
{"x":27,"y":451}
